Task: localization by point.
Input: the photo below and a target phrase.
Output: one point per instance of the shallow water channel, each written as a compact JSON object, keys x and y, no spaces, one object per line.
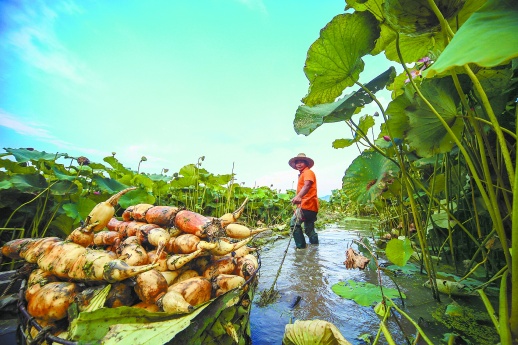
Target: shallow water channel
{"x":310,"y":274}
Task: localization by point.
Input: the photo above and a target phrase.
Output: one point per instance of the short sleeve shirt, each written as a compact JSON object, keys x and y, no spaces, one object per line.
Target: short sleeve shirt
{"x":310,"y":200}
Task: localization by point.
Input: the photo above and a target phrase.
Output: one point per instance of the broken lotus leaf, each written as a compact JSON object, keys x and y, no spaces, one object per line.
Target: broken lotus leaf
{"x":315,"y":332}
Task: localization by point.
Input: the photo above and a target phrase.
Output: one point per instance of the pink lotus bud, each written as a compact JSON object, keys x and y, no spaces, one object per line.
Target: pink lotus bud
{"x":386,"y":137}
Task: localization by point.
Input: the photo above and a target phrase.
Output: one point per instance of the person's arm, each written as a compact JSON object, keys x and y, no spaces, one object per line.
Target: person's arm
{"x":303,"y":191}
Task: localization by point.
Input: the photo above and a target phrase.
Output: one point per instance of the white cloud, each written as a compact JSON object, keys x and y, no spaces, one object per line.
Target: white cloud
{"x":254,"y":5}
{"x":24,"y":128}
{"x":38,"y":131}
{"x":30,"y":34}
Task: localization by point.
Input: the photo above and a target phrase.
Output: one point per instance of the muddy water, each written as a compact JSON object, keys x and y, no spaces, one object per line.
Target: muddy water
{"x":310,"y":274}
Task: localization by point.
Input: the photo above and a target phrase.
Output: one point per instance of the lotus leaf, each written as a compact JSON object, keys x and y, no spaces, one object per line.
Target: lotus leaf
{"x":399,"y":251}
{"x":315,"y":332}
{"x":368,"y":177}
{"x":488,"y":38}
{"x":334,"y":60}
{"x":364,"y":294}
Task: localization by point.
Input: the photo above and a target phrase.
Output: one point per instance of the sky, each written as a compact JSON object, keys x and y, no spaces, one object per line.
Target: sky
{"x":172,"y":81}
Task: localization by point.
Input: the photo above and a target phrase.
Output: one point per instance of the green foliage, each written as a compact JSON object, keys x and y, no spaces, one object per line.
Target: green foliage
{"x":368,"y":177}
{"x":489,"y":36}
{"x":442,"y":171}
{"x":399,"y":251}
{"x":52,"y":193}
{"x":423,"y":131}
{"x":332,"y":67}
{"x":471,"y":323}
{"x":309,"y":118}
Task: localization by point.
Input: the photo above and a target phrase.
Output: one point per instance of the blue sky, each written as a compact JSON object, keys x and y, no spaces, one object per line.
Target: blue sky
{"x":169,"y":80}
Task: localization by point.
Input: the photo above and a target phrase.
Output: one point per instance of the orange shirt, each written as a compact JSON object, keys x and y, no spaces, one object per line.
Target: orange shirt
{"x":310,"y":200}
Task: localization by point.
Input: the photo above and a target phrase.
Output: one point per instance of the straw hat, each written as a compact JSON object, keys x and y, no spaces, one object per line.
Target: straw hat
{"x":301,"y":157}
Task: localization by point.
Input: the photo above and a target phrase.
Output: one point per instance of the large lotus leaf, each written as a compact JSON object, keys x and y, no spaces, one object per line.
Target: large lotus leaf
{"x":61,"y":174}
{"x":442,"y":220}
{"x":414,"y":48}
{"x":334,"y":60}
{"x":399,"y":251}
{"x":108,"y":185}
{"x":33,"y":183}
{"x":188,"y":170}
{"x":159,"y":178}
{"x":416,"y":17}
{"x":373,"y":6}
{"x":64,"y":223}
{"x":438,"y":182}
{"x":184,"y":182}
{"x":431,"y":43}
{"x":16,"y":168}
{"x":488,"y":38}
{"x":408,"y":269}
{"x":119,"y":168}
{"x":64,"y":188}
{"x":137,"y":196}
{"x":427,"y":134}
{"x":142,"y":181}
{"x":366,"y":122}
{"x":365,"y":294}
{"x":387,"y":36}
{"x":219,"y":180}
{"x":4,"y":183}
{"x":92,"y":166}
{"x":497,"y":84}
{"x":307,"y":118}
{"x":315,"y":332}
{"x":26,"y":155}
{"x":368,"y":177}
{"x":79,"y":210}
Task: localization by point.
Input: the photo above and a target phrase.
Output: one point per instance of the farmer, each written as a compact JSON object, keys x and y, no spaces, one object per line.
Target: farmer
{"x":306,"y":201}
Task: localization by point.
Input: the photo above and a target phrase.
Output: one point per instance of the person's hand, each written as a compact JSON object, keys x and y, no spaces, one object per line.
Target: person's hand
{"x":296,"y":200}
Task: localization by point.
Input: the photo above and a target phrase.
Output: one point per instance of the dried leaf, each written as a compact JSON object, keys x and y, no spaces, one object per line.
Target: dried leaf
{"x":355,"y":260}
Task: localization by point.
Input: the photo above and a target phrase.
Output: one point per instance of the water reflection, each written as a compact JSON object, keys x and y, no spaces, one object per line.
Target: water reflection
{"x":310,"y":274}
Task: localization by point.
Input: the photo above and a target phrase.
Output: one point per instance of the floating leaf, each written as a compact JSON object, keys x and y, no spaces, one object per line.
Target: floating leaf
{"x":408,"y":269}
{"x":363,"y":293}
{"x":450,"y":288}
{"x":454,"y":309}
{"x":315,"y":332}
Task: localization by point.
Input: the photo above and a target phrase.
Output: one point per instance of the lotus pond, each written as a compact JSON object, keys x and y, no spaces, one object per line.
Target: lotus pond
{"x":309,"y":278}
